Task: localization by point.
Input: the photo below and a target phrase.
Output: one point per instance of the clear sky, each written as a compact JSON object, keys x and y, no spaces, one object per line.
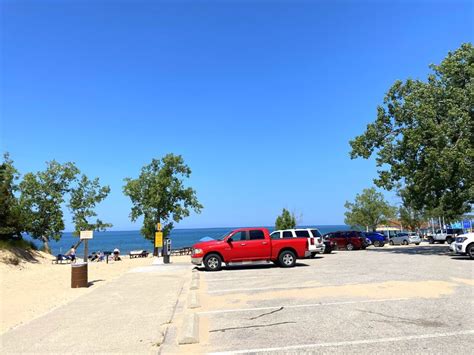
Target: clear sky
{"x":260,"y":97}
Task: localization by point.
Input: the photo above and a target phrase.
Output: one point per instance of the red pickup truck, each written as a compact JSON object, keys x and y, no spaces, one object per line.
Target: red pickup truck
{"x":249,"y":244}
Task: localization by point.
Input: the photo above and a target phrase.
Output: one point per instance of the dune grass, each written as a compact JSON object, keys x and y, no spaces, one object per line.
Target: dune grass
{"x":9,"y":244}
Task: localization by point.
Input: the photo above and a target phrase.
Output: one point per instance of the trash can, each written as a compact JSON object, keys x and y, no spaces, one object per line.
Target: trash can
{"x":79,"y":275}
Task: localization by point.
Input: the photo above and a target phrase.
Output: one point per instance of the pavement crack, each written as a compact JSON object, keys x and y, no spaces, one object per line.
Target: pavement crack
{"x":268,"y":313}
{"x":250,"y":326}
{"x":420,"y":322}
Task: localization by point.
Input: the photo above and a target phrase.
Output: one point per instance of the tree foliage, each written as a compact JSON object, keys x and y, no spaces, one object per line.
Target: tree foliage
{"x":410,"y":217}
{"x":11,"y":223}
{"x":424,"y":136}
{"x":159,"y":194}
{"x":286,"y":220}
{"x":42,"y":196}
{"x":369,"y":210}
{"x":84,"y":198}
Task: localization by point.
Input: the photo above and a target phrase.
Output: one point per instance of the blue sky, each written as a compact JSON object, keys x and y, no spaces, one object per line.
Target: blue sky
{"x":260,"y":98}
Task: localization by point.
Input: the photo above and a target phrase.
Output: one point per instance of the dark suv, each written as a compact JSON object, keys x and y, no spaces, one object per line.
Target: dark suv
{"x":348,"y":240}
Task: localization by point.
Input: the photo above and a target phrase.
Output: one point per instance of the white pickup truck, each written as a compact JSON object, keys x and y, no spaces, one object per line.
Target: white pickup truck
{"x":445,"y":235}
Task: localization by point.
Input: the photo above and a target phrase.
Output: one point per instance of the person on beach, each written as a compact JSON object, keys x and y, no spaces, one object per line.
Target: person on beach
{"x":117,"y":254}
{"x":101,"y":256}
{"x":72,"y":254}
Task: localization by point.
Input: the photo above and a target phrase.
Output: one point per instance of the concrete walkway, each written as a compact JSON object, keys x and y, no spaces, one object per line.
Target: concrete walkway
{"x":127,"y":315}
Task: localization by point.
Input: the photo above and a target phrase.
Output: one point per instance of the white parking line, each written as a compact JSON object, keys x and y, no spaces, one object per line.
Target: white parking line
{"x":347,"y":343}
{"x":273,"y":288}
{"x":302,"y":305}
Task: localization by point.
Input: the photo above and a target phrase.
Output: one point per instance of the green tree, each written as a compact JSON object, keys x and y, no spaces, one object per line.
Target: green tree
{"x":369,"y":210}
{"x":84,"y":198}
{"x":11,"y":223}
{"x":286,"y":220}
{"x":42,"y":196}
{"x":159,"y":194}
{"x":424,"y":137}
{"x":408,"y":215}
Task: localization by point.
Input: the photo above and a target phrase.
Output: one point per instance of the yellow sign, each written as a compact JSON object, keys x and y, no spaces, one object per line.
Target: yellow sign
{"x":158,"y":239}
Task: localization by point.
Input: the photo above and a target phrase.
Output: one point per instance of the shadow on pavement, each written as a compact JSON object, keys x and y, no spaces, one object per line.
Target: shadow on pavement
{"x":413,"y":250}
{"x":91,"y":283}
{"x":250,"y":267}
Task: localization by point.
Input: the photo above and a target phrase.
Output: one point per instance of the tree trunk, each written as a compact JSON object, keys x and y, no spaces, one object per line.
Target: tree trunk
{"x":46,"y":247}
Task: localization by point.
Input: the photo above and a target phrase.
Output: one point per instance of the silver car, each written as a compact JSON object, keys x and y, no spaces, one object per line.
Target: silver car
{"x":400,"y":238}
{"x":414,"y":238}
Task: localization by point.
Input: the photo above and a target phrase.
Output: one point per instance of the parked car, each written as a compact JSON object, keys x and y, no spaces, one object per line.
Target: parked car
{"x":249,"y":244}
{"x":348,"y":240}
{"x":465,"y":244}
{"x":376,"y":239}
{"x":314,"y":237}
{"x":445,"y":235}
{"x":414,"y":238}
{"x":329,"y":245}
{"x":400,"y":238}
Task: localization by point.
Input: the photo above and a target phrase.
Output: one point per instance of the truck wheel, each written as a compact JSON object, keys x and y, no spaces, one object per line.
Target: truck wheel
{"x":376,"y":243}
{"x":287,"y":258}
{"x":431,"y":240}
{"x":405,"y":242}
{"x":449,"y":240}
{"x":350,"y":246}
{"x":470,"y":250}
{"x":313,"y":255}
{"x":213,"y":262}
{"x":391,"y":242}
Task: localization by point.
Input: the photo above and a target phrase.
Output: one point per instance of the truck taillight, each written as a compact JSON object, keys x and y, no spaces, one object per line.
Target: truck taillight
{"x":319,"y":240}
{"x":311,"y":241}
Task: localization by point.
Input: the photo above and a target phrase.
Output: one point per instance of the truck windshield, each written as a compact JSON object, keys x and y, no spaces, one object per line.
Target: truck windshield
{"x":224,"y":236}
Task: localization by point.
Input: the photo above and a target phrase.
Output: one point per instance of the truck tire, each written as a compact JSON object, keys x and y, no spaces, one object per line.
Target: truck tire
{"x":391,"y":242}
{"x":405,"y":242}
{"x":431,"y":240}
{"x":376,"y":243}
{"x":350,"y":246}
{"x":470,"y":250}
{"x":449,"y":240}
{"x":287,"y":258}
{"x":213,"y":262}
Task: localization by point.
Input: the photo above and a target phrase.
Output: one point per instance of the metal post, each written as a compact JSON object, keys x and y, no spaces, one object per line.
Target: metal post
{"x":86,"y":250}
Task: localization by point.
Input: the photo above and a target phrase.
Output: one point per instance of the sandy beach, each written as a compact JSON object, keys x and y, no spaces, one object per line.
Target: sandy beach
{"x":31,"y":289}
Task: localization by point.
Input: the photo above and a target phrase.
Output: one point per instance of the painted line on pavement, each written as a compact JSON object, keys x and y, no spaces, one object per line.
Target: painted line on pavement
{"x":348,"y":343}
{"x":276,"y":288}
{"x":303,"y":305}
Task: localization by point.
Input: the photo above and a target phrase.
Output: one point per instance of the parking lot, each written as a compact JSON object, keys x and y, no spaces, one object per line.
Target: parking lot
{"x":406,"y":299}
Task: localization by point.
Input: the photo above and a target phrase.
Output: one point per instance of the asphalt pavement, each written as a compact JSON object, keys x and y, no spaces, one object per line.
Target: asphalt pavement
{"x":401,"y":299}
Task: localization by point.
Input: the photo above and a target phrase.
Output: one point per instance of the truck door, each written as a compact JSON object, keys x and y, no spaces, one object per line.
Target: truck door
{"x":250,"y":245}
{"x":258,"y":248}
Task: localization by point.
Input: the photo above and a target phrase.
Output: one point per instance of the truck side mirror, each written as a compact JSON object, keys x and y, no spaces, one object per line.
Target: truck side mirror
{"x":229,"y":240}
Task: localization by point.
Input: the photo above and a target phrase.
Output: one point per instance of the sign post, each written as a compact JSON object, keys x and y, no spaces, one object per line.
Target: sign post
{"x":85,"y":236}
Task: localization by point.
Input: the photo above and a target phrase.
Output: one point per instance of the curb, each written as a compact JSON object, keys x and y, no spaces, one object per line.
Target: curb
{"x":189,"y":329}
{"x":193,"y":300}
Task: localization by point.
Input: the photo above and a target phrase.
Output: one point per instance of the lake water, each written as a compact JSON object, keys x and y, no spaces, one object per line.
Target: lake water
{"x":133,"y":240}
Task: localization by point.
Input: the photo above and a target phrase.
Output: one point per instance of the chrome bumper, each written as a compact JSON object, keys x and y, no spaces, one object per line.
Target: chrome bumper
{"x":196,"y":261}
